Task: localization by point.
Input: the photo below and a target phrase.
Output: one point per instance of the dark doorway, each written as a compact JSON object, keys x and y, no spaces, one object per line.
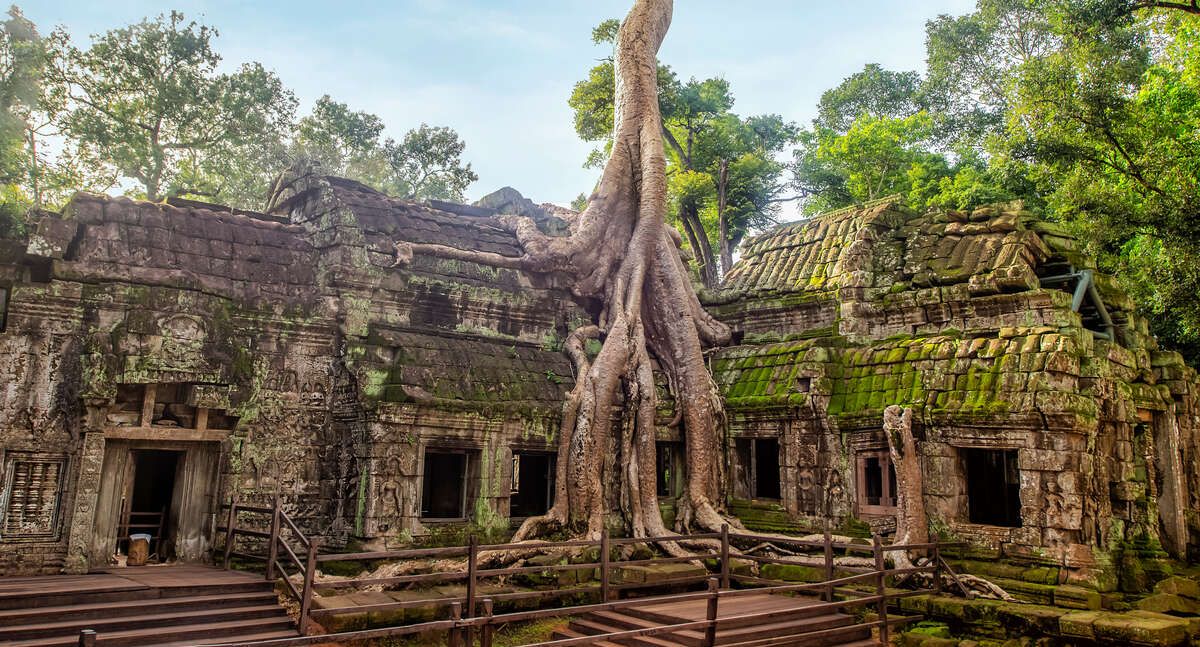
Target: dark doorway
{"x":532,"y":491}
{"x":993,"y":487}
{"x":766,"y":468}
{"x":148,"y":503}
{"x":669,"y":457}
{"x":443,"y":492}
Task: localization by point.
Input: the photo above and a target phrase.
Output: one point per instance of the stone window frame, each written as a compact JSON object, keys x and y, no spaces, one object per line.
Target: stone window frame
{"x":674,"y":485}
{"x":751,"y":464}
{"x":861,"y":456}
{"x":514,"y":478}
{"x":473,"y":458}
{"x":960,"y":451}
{"x":5,"y":298}
{"x":10,"y":462}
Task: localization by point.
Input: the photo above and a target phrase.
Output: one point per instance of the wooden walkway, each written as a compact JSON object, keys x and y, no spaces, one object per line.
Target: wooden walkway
{"x":147,"y":605}
{"x":750,"y":619}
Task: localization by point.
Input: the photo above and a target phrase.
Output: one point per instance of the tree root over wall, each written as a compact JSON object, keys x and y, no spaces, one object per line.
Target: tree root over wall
{"x":621,"y":254}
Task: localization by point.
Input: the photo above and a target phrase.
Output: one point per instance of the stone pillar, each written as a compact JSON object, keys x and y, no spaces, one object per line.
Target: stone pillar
{"x":1171,"y":503}
{"x":83,"y":517}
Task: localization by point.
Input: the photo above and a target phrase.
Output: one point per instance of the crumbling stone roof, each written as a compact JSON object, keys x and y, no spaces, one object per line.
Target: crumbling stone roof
{"x":990,"y":248}
{"x":944,"y":312}
{"x":803,"y":255}
{"x":194,"y":247}
{"x":382,"y":214}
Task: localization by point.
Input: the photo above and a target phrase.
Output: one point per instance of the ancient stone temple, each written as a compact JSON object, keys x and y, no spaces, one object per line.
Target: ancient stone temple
{"x":158,"y":359}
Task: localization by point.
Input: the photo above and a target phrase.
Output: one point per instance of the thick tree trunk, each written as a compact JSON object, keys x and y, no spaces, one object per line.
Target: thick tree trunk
{"x":621,"y":252}
{"x":722,"y":221}
{"x":704,"y":255}
{"x":912,"y":526}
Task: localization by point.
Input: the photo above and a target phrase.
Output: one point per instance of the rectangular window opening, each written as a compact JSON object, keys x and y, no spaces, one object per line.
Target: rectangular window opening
{"x":171,"y":408}
{"x":445,"y":484}
{"x":876,"y":482}
{"x":532,"y":491}
{"x":757,"y":468}
{"x":3,"y":308}
{"x":993,"y":487}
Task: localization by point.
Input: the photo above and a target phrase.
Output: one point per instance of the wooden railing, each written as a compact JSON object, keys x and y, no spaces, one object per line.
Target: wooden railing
{"x":473,"y":615}
{"x":282,"y":534}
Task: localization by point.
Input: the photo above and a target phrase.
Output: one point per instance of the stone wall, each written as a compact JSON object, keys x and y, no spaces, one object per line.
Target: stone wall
{"x":331,"y":376}
{"x":331,"y":371}
{"x":947,"y":314}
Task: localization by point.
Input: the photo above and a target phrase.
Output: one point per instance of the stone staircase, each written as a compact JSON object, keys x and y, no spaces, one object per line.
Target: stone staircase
{"x":790,"y":617}
{"x":173,"y":606}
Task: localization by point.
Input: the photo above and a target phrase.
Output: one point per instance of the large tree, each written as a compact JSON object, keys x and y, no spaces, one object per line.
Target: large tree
{"x":723,"y":178}
{"x":149,"y":101}
{"x":621,"y":254}
{"x":427,"y":164}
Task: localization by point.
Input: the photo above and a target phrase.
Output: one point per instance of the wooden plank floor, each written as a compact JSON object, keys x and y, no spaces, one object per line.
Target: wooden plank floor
{"x":124,"y":579}
{"x":729,"y":607}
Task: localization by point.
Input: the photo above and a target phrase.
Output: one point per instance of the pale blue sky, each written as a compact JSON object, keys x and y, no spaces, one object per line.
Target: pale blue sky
{"x":500,"y":72}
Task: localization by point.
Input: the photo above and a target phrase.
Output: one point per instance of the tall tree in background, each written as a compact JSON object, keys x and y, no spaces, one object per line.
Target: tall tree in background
{"x":427,"y":165}
{"x":150,"y":102}
{"x":738,"y":156}
{"x":346,"y":142}
{"x":722,"y":176}
{"x":32,"y":103}
{"x":22,"y":62}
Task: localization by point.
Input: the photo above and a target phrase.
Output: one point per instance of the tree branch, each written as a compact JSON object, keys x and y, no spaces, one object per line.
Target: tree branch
{"x":1192,"y":7}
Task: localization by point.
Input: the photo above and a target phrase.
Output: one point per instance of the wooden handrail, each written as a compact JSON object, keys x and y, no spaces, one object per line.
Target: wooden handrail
{"x":249,"y":508}
{"x":468,"y":620}
{"x":276,"y":543}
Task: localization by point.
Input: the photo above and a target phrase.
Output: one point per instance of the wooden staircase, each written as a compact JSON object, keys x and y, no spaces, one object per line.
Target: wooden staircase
{"x":792,"y":621}
{"x":150,"y":606}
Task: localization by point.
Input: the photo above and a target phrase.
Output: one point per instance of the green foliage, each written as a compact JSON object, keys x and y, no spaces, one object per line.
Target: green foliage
{"x":878,"y":154}
{"x":426,"y":164}
{"x":150,"y":104}
{"x":345,"y":142}
{"x":874,"y":91}
{"x":31,"y":97}
{"x":149,"y":101}
{"x":580,"y":202}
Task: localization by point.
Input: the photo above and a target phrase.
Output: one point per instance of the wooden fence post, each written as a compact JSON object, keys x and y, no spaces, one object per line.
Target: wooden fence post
{"x":724,"y":555}
{"x":485,"y":633}
{"x":455,"y":615}
{"x":710,"y":631}
{"x":229,"y":524}
{"x":87,"y":638}
{"x":881,"y":574}
{"x":604,"y":551}
{"x":469,"y":611}
{"x":937,"y":569}
{"x":828,"y":565}
{"x":273,"y":550}
{"x":310,"y":572}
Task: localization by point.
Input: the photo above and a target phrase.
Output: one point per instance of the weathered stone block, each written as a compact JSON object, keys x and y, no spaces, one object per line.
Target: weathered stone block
{"x":1030,"y":619}
{"x":1179,"y":586}
{"x":1129,"y":629}
{"x":1169,"y":603}
{"x":1076,"y":597}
